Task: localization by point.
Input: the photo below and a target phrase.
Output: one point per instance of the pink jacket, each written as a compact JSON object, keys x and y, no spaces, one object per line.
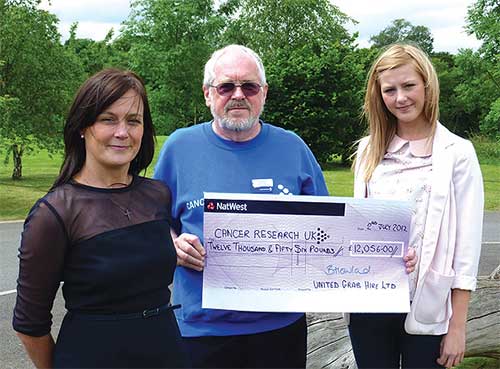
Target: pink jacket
{"x":453,"y":229}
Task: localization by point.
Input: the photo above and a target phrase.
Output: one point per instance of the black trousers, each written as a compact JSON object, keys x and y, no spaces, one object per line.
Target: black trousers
{"x":280,"y":348}
{"x":120,"y":341}
{"x":380,"y":341}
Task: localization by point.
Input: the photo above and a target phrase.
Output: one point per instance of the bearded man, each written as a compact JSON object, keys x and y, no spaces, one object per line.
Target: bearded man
{"x":239,"y":153}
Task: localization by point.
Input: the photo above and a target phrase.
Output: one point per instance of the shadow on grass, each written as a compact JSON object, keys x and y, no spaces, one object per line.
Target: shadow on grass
{"x":41,"y":182}
{"x":335,"y":166}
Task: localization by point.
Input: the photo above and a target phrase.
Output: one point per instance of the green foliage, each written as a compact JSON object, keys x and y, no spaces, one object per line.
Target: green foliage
{"x":401,"y":30}
{"x":170,"y":41}
{"x":318,"y":96}
{"x":268,"y":25}
{"x":95,"y":55}
{"x":450,"y":110}
{"x":477,"y":87}
{"x":315,"y":80}
{"x":483,"y":20}
{"x":490,"y":125}
{"x":315,"y":71}
{"x":468,"y":90}
{"x":30,"y":49}
{"x":8,"y":107}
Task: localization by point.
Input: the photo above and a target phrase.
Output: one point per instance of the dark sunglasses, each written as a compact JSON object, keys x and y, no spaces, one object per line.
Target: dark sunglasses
{"x":227,"y":88}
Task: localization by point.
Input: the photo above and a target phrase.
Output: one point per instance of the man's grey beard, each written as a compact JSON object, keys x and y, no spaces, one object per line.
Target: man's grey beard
{"x":236,"y":125}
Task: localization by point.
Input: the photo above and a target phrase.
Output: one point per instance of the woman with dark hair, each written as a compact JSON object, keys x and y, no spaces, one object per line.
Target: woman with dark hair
{"x":104,"y":231}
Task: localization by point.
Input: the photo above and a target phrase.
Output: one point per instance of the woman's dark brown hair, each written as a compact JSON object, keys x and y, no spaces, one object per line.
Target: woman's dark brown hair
{"x":95,"y":95}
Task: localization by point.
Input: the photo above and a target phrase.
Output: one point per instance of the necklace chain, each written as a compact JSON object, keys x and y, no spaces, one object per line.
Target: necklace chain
{"x":125,"y":210}
{"x":84,"y":181}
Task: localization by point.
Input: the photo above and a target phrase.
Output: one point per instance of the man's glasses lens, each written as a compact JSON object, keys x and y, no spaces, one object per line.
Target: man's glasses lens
{"x":248,"y":88}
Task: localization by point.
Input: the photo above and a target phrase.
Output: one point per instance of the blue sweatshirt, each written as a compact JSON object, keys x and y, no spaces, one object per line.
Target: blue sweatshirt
{"x":195,"y":160}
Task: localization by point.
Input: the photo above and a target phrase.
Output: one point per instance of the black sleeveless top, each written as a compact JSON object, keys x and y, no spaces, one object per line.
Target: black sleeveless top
{"x":111,"y":247}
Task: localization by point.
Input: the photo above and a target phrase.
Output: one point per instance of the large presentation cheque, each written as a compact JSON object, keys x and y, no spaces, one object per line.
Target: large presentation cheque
{"x":305,"y":253}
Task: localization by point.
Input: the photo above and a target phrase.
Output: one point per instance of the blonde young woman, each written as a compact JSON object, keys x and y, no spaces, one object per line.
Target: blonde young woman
{"x":410,"y":155}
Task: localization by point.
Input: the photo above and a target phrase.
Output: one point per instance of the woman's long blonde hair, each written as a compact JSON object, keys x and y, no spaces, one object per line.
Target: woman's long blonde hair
{"x":382,"y":123}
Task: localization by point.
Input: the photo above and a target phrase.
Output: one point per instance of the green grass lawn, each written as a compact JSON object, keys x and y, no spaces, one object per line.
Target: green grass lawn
{"x":479,"y":363}
{"x":39,"y":172}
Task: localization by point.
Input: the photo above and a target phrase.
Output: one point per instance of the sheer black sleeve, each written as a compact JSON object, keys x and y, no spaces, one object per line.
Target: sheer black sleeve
{"x":41,"y":258}
{"x":73,"y":215}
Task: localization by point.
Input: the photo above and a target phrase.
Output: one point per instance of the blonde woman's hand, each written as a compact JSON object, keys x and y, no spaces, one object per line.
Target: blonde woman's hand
{"x":410,"y":260}
{"x":452,"y":348}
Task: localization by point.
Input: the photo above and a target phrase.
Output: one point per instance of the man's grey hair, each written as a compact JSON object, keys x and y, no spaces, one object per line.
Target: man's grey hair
{"x":209,"y":75}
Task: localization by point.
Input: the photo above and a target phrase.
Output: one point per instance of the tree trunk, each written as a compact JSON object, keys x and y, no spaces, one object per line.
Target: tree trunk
{"x":196,"y":120}
{"x":329,"y":345}
{"x":17,"y":154}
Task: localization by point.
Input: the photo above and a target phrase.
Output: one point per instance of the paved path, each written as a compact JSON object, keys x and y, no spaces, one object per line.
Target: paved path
{"x":12,"y":355}
{"x":491,"y":227}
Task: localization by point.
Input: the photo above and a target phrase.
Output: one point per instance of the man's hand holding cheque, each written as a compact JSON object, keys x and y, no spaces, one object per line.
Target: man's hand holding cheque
{"x":190,"y":251}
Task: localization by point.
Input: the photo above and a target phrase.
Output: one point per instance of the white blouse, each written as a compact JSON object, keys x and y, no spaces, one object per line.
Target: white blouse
{"x":405,"y":174}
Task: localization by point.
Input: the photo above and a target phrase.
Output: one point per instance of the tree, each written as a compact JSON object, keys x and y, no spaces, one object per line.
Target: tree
{"x":318,"y":96}
{"x":451,"y":113}
{"x":403,"y":31}
{"x":35,"y":93}
{"x":483,"y":20}
{"x":271,"y":24}
{"x":476,"y":90}
{"x":8,"y":107}
{"x":95,"y":55}
{"x":467,"y":92}
{"x":490,"y":125}
{"x":315,"y":81}
{"x":169,"y":43}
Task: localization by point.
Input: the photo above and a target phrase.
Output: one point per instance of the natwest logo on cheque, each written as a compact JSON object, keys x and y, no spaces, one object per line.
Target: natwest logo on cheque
{"x":226,"y":206}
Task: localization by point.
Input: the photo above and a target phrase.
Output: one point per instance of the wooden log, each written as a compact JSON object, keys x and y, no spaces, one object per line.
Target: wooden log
{"x":483,"y":320}
{"x":328,"y":342}
{"x":329,"y":345}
